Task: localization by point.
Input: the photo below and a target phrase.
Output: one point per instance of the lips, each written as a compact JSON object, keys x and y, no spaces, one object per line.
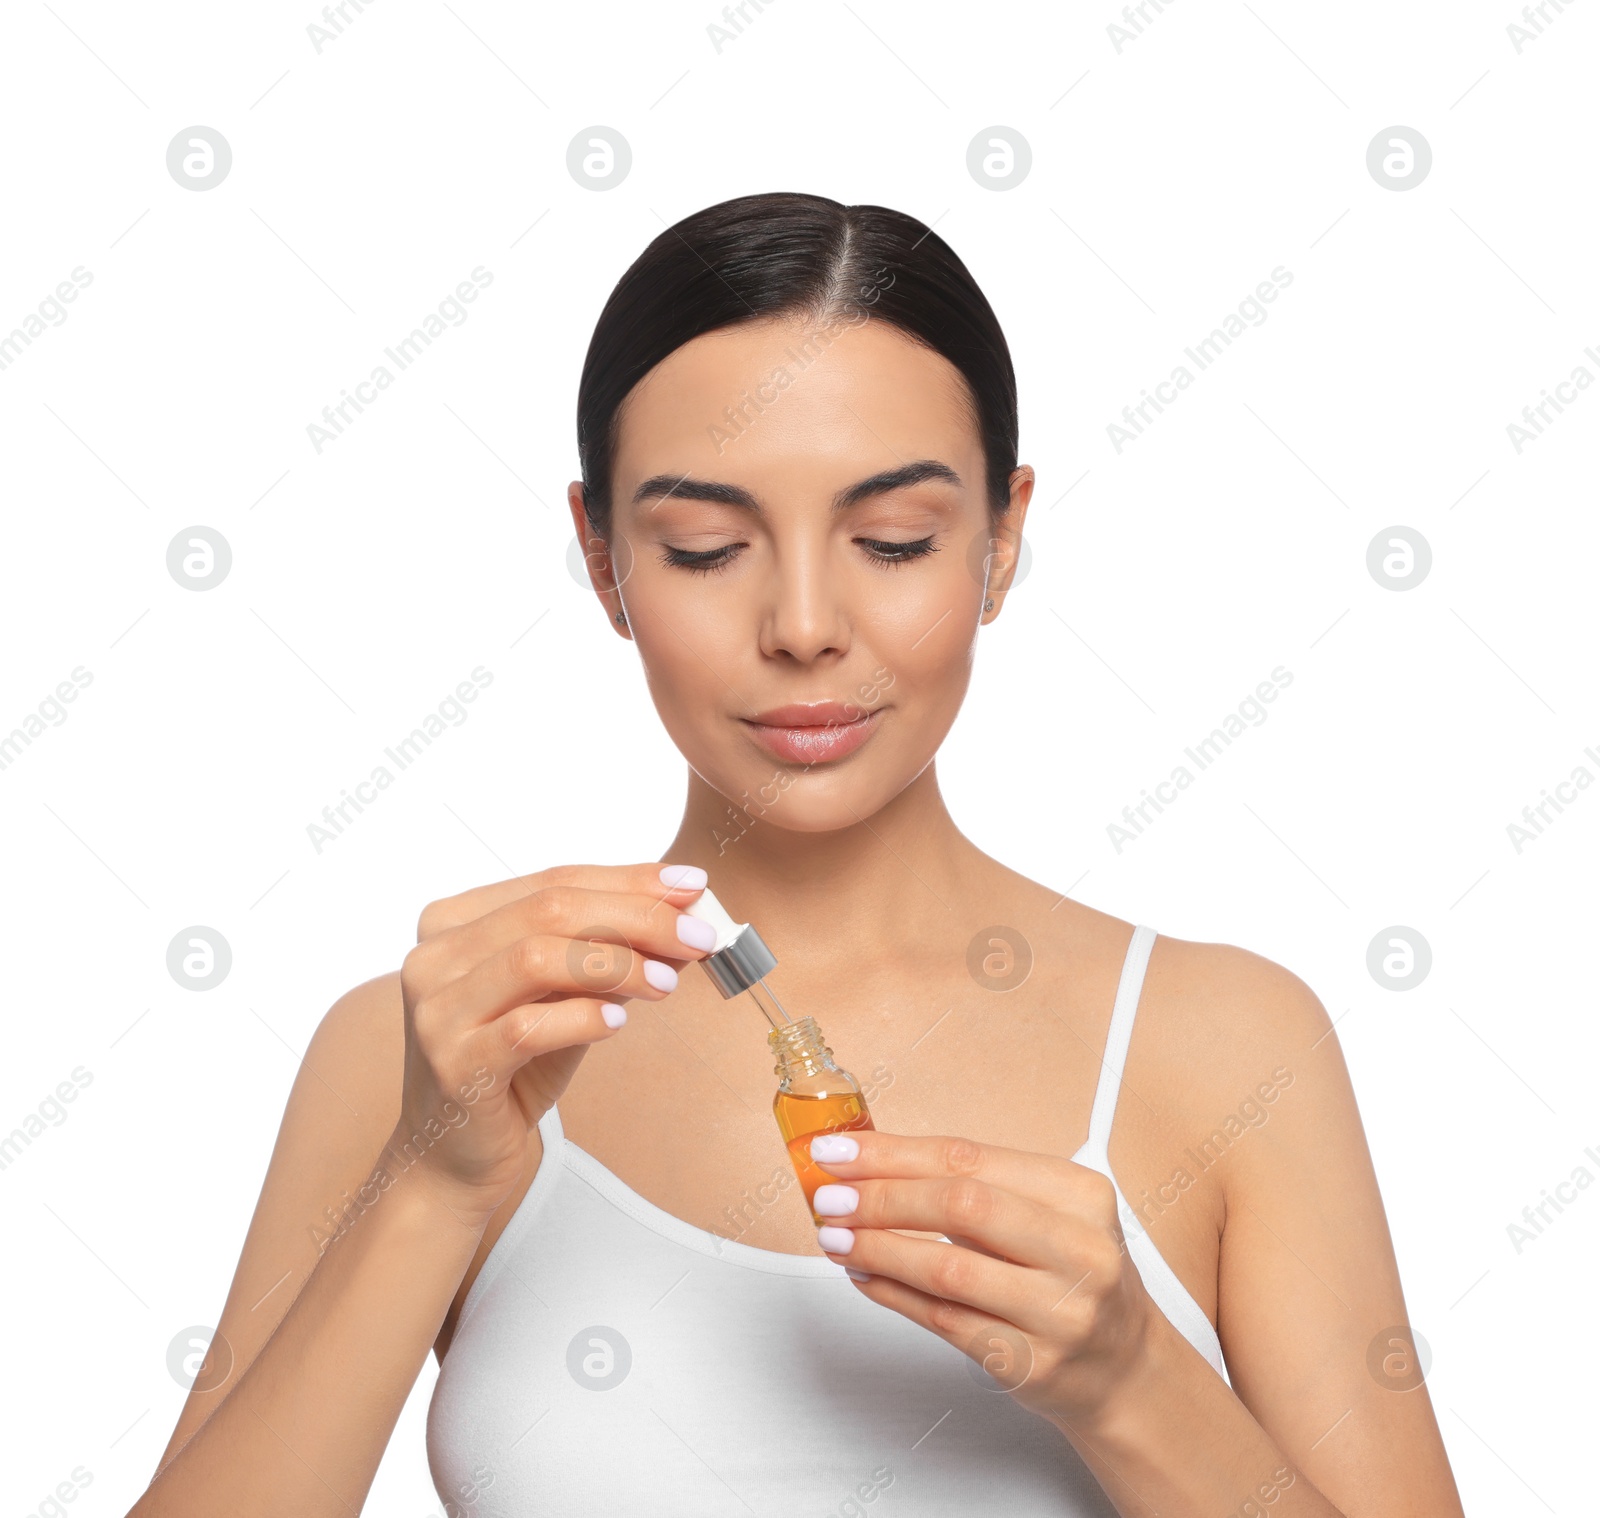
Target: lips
{"x":813,"y":734}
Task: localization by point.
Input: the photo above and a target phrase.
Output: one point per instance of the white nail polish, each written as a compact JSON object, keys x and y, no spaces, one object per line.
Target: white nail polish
{"x":835,"y":1240}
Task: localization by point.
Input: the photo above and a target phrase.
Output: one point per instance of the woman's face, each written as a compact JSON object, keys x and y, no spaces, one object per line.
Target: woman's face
{"x":800,"y":518}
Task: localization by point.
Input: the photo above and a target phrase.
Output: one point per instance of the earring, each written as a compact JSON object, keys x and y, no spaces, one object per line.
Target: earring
{"x":988,"y":605}
{"x":620,"y":617}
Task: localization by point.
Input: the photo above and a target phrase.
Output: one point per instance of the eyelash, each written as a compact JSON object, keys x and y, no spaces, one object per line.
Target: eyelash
{"x":713,"y":560}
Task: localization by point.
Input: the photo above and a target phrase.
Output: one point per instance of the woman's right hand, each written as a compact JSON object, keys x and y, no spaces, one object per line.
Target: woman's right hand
{"x":507,"y":987}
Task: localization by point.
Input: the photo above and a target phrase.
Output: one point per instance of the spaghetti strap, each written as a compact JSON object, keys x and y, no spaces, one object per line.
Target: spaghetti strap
{"x":1095,"y":1151}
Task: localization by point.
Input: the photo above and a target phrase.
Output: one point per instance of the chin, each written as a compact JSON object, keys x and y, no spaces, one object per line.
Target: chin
{"x":823,"y":799}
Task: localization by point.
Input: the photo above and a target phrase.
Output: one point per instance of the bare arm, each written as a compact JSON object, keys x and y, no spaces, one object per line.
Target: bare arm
{"x":410,"y":1124}
{"x":304,"y":1427}
{"x":1323,"y":1419}
{"x":344,"y":1101}
{"x":1326,"y":1414}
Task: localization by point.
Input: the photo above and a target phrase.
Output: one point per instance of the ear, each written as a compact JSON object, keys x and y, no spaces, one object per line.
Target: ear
{"x":1005,"y":540}
{"x":597,"y":560}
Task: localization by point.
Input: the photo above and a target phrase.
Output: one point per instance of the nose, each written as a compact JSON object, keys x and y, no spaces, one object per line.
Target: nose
{"x":805,"y":616}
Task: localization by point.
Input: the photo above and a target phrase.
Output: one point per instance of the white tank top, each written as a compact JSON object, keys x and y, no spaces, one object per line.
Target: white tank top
{"x":611,"y":1359}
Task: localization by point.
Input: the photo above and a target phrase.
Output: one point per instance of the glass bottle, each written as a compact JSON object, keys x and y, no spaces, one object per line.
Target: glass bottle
{"x":814,"y":1094}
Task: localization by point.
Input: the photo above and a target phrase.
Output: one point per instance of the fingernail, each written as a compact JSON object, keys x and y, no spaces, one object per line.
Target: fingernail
{"x":835,"y":1240}
{"x":834,"y":1201}
{"x":690,"y":876}
{"x":834,"y":1146}
{"x":856,"y":1275}
{"x":662,"y":977}
{"x":696,"y":932}
{"x":614,"y":1015}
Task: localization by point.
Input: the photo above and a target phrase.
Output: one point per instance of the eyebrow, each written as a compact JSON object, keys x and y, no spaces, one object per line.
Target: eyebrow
{"x":686,"y":488}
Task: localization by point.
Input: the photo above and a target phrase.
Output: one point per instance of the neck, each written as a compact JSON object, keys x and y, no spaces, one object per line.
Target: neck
{"x":865,"y":886}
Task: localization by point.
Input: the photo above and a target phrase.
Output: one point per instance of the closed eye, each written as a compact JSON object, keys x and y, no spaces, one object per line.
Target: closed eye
{"x":704,"y":561}
{"x":898,"y":553}
{"x":712,"y":560}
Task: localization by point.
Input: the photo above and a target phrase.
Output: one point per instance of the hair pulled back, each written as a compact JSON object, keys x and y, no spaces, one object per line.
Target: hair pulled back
{"x":760,"y":257}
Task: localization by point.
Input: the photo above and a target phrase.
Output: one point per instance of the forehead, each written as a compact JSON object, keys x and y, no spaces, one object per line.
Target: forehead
{"x":798,"y":400}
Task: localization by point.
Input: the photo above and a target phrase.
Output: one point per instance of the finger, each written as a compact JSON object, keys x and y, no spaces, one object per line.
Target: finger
{"x":1047,"y":1179}
{"x":640,"y":921}
{"x":999,"y":1348}
{"x":525,"y":1032}
{"x":542,"y":967}
{"x":647,"y":879}
{"x":940,"y":1270}
{"x":1005,"y":1225}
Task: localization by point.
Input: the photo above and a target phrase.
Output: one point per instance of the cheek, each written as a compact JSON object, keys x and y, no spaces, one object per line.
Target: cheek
{"x":680,"y":670}
{"x":925,"y":641}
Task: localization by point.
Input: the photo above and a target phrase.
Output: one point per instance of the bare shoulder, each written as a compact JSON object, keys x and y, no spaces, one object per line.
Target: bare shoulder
{"x":342,"y":1105}
{"x":361,"y":1040}
{"x":1223,"y":1009}
{"x":1234,"y":1043}
{"x":1215,"y":1016}
{"x":1212,"y":1003}
{"x":346,"y":1096}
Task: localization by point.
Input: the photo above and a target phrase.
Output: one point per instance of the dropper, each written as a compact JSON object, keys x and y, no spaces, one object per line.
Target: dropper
{"x":740,"y":959}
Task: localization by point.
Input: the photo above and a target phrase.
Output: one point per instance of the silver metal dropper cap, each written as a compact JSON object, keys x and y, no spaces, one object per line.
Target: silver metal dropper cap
{"x":741,"y":957}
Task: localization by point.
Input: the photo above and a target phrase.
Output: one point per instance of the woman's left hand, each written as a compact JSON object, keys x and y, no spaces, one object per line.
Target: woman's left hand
{"x":1036,"y":1285}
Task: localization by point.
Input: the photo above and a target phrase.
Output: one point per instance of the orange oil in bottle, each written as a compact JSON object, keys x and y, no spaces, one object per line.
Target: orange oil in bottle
{"x":800,"y":1118}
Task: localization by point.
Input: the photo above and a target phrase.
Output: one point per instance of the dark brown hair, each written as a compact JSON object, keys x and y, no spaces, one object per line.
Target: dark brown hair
{"x":763,"y":256}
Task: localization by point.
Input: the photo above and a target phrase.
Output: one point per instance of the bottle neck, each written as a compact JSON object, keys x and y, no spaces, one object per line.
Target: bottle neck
{"x":800,"y":1050}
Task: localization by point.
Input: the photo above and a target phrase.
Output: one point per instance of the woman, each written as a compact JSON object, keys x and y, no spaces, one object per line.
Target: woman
{"x":801,"y":499}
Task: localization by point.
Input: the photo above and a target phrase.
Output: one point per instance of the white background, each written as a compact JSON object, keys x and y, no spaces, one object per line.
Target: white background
{"x":1167,"y":580}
